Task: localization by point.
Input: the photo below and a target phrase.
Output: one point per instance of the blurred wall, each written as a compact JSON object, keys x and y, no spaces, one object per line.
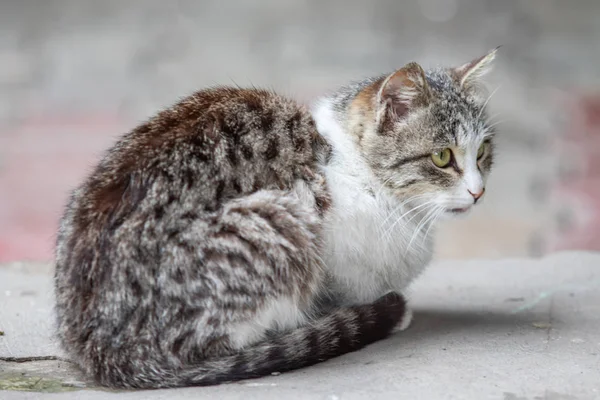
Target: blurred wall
{"x":74,"y":74}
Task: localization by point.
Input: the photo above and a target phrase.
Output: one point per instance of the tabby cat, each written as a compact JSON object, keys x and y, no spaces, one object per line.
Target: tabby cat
{"x":237,"y":233}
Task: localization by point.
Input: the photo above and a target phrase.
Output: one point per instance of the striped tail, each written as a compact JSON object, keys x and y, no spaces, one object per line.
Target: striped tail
{"x":343,"y":331}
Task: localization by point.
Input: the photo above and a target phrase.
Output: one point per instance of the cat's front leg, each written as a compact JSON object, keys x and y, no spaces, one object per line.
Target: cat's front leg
{"x":405,"y":321}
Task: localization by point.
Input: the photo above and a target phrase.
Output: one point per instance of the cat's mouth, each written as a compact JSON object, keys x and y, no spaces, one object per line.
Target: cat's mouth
{"x":459,"y":210}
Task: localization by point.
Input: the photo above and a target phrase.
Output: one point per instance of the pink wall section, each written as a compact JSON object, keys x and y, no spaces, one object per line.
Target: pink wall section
{"x":36,"y":174}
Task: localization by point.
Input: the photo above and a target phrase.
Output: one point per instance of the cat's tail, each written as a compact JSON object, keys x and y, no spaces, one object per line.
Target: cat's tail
{"x":343,"y":331}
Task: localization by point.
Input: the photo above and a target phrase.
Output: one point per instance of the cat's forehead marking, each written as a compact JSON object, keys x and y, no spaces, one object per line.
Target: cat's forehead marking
{"x":456,"y":117}
{"x":470,"y":133}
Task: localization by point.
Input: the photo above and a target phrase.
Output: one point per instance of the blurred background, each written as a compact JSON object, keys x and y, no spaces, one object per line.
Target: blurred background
{"x":75,"y":74}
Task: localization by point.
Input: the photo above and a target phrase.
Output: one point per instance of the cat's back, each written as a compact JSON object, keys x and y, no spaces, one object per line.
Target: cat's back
{"x":222,"y":142}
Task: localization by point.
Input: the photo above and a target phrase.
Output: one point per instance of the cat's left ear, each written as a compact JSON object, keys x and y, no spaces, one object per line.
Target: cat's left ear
{"x":470,"y":73}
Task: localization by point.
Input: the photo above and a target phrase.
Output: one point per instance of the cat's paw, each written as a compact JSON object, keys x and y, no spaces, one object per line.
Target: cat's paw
{"x":405,"y":321}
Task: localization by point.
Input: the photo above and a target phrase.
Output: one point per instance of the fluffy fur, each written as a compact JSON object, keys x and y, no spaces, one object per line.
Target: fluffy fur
{"x":231,"y":236}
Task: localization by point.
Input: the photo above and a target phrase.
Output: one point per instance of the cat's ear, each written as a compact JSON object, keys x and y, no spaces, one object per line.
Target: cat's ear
{"x":402,"y":91}
{"x":471,"y":72}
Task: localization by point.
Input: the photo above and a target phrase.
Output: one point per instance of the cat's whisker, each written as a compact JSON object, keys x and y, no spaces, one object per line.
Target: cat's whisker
{"x":383,"y":186}
{"x":431,"y":223}
{"x":487,"y":101}
{"x":413,"y":217}
{"x":440,"y":212}
{"x":391,"y":228}
{"x":416,"y":231}
{"x":490,"y":119}
{"x":491,"y":126}
{"x":410,"y":211}
{"x":401,"y":205}
{"x":429,"y":217}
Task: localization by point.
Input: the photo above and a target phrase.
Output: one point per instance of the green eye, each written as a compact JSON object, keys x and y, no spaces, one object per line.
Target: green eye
{"x":481,"y":150}
{"x":442,"y":158}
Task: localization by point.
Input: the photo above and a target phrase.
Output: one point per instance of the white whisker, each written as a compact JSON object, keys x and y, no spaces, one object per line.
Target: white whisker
{"x":382,"y":186}
{"x":391,"y":228}
{"x":489,"y":127}
{"x":430,"y":217}
{"x":402,"y":204}
{"x":491,"y":118}
{"x":432,"y":223}
{"x":487,"y":101}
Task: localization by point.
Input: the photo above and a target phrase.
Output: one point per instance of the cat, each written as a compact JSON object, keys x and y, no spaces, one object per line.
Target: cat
{"x":238,"y":233}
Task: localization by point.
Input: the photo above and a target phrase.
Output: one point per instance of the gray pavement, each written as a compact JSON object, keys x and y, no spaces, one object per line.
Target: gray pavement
{"x":507,"y":329}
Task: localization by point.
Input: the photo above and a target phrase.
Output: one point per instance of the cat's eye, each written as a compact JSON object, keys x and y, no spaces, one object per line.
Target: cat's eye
{"x":442,"y":158}
{"x":481,"y":150}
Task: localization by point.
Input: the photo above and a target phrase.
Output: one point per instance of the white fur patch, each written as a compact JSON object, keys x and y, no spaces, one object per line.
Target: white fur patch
{"x":406,"y":320}
{"x":368,"y":250}
{"x":281,"y":314}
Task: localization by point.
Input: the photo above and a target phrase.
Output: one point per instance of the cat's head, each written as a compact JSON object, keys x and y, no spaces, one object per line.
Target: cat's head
{"x":428,"y":137}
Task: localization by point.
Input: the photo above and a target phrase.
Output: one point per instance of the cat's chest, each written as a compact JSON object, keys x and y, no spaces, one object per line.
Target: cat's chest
{"x":363,"y":226}
{"x":371,"y":242}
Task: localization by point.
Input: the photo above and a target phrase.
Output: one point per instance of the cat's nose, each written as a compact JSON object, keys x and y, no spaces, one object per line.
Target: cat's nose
{"x":477,"y":196}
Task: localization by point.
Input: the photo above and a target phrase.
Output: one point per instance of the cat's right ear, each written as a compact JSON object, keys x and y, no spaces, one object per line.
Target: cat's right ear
{"x":469,"y":74}
{"x":400,"y":92}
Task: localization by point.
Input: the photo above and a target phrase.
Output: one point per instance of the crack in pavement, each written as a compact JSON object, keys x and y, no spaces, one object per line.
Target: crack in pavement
{"x":34,"y":358}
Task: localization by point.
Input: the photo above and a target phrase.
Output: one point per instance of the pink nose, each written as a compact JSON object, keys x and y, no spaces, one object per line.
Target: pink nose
{"x":477,"y":196}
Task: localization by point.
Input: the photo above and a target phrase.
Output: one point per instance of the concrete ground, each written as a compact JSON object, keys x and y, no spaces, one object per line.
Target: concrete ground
{"x":510,"y":330}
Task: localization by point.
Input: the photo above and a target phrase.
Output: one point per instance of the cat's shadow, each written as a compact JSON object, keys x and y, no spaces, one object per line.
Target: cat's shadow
{"x":452,"y":320}
{"x":436,"y":324}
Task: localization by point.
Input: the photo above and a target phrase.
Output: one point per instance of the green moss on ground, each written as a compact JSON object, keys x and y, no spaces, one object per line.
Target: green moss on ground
{"x":35,"y":384}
